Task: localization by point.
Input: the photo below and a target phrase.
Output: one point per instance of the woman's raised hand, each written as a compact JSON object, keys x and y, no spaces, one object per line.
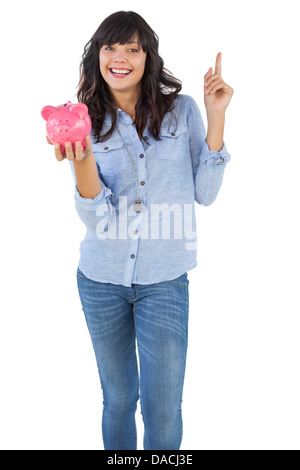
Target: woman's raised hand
{"x":217,"y":94}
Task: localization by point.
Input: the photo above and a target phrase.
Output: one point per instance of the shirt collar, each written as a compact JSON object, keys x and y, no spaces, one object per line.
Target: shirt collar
{"x":120,"y":112}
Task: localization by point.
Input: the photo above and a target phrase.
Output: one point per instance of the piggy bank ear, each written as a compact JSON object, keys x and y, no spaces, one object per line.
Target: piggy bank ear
{"x":79,"y":108}
{"x":47,"y":111}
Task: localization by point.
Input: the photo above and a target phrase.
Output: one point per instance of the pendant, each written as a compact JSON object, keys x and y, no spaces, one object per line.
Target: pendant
{"x":138,"y":205}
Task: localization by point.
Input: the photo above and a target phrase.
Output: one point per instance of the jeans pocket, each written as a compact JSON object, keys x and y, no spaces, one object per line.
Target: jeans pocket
{"x":80,"y":273}
{"x":181,"y":280}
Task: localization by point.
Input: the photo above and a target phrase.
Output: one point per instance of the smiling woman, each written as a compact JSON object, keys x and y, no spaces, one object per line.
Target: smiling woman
{"x":132,"y":281}
{"x":122,"y":67}
{"x":124,"y":40}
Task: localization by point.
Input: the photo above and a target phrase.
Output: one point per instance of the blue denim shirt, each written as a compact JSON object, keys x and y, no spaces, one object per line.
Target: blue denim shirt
{"x":122,"y":246}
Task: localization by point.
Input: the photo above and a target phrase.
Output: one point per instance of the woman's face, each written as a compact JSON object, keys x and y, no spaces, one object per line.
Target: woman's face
{"x":122,"y":66}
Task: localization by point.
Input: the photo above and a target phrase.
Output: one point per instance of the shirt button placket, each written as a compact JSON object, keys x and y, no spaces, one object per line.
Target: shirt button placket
{"x":134,"y":242}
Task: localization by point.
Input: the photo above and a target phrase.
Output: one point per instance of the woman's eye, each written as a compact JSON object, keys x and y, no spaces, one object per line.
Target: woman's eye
{"x":110,"y":48}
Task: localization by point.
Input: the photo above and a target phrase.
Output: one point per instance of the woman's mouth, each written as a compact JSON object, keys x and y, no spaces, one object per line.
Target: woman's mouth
{"x":120,"y":73}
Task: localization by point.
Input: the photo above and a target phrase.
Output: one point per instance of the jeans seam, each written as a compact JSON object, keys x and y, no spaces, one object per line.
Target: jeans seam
{"x":137,"y":356}
{"x":177,"y":283}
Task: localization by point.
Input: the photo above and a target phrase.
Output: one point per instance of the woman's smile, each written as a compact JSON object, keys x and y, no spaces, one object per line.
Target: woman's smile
{"x":120,"y":73}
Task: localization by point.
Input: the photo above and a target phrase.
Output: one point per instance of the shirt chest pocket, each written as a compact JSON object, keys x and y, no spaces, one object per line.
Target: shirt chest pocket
{"x":111,"y":157}
{"x":172,"y":142}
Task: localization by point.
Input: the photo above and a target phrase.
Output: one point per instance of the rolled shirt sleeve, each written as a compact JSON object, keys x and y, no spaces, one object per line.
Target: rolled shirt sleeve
{"x":208,"y":165}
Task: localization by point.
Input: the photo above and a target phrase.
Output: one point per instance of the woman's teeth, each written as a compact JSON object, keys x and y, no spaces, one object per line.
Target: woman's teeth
{"x":121,"y":71}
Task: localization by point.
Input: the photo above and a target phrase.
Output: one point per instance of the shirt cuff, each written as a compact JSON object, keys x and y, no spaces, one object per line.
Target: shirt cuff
{"x":92,"y":204}
{"x":221,"y":158}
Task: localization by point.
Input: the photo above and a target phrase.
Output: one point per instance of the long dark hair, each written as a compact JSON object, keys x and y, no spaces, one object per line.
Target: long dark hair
{"x":159,"y":86}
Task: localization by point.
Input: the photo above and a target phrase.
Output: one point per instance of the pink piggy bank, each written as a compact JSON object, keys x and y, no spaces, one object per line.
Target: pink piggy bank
{"x":67,"y":122}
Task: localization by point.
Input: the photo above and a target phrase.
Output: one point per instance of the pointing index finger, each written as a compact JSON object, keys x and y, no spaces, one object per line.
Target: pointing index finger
{"x":218,"y":68}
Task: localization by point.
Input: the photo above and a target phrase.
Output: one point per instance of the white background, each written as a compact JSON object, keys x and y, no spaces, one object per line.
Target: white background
{"x":242,"y":383}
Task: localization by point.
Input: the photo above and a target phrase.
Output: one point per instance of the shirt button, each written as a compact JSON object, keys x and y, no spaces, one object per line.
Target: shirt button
{"x":220,"y":160}
{"x":132,"y":256}
{"x":173,"y":135}
{"x":136,"y":232}
{"x":145,"y":138}
{"x":105,"y":148}
{"x":142,"y":155}
{"x":142,"y":183}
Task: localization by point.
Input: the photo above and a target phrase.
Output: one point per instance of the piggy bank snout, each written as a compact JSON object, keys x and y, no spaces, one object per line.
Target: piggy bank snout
{"x":64,"y":129}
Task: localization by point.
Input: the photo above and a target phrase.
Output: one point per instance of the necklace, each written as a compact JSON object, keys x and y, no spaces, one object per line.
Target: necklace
{"x":138,"y":205}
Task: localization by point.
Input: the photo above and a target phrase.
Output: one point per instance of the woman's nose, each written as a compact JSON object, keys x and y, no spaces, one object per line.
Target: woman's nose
{"x":119,"y":56}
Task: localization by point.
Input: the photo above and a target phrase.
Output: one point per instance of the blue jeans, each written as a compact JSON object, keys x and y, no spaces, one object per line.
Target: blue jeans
{"x":154,"y":316}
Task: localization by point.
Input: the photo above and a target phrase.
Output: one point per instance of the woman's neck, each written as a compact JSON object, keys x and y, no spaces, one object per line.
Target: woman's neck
{"x":126,"y":101}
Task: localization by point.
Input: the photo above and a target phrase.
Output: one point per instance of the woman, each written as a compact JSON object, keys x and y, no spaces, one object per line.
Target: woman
{"x":148,"y":155}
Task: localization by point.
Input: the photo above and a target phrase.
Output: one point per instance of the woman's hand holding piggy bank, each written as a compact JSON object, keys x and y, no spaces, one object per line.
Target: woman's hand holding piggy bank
{"x":68,"y":127}
{"x":79,"y":153}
